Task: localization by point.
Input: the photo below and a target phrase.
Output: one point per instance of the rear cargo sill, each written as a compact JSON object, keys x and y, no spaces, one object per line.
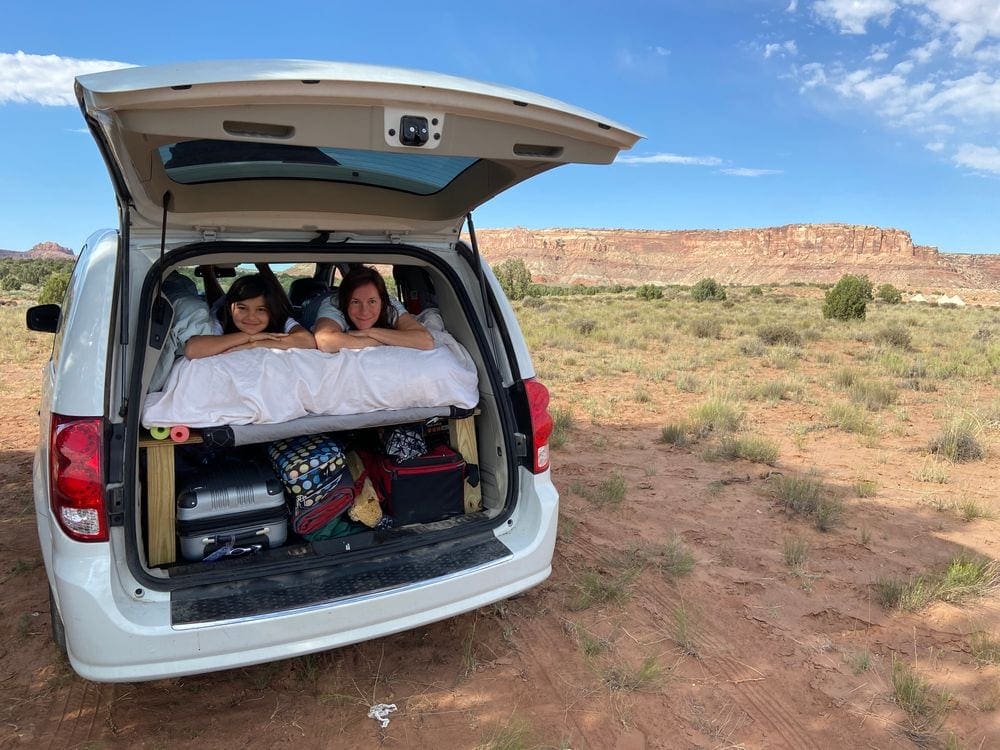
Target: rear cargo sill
{"x":256,"y":597}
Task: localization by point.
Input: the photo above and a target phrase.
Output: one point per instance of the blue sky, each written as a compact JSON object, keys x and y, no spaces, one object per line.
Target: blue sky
{"x":756,"y":112}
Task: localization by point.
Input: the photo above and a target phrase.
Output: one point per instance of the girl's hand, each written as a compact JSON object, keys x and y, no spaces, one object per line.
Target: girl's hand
{"x":265,"y":336}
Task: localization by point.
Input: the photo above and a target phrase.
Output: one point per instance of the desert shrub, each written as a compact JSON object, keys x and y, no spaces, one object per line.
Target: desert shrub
{"x":893,"y":335}
{"x":583,"y":326}
{"x":706,"y":328}
{"x":848,"y":300}
{"x":750,"y":347}
{"x":889,"y":293}
{"x":674,"y":434}
{"x":649,"y":291}
{"x":54,"y":288}
{"x":873,"y":395}
{"x":708,"y":289}
{"x":779,"y":333}
{"x":716,"y":415}
{"x":755,"y":291}
{"x":514,"y":278}
{"x":957,"y":443}
{"x":10,"y":284}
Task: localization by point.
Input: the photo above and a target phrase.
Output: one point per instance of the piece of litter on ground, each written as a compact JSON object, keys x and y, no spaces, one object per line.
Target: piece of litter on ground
{"x":380,"y":712}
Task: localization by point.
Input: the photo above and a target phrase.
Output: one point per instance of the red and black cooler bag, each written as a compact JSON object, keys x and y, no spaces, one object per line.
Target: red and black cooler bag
{"x":427,"y":488}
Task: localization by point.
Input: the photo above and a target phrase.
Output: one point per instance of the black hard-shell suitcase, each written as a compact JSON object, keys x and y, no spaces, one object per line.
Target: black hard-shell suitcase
{"x":243,"y":508}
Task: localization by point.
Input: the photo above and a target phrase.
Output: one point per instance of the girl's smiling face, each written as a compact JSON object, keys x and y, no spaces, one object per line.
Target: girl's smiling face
{"x":250,"y":315}
{"x":364,"y":307}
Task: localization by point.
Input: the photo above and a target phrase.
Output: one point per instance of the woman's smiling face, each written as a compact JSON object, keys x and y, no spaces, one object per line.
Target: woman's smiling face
{"x":250,"y":315}
{"x":364,"y":307}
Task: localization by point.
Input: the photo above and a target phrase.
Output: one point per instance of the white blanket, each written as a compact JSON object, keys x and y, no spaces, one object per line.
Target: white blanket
{"x":267,"y":386}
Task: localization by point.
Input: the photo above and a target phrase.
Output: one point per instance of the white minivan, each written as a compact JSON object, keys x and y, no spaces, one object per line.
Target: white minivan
{"x":306,"y":170}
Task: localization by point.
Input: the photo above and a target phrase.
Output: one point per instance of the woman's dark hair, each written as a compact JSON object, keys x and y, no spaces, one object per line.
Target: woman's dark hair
{"x":255,"y":285}
{"x":359,"y":276}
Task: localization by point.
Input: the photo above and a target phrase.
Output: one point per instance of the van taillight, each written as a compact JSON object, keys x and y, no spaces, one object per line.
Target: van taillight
{"x":76,"y":477}
{"x":541,"y":423}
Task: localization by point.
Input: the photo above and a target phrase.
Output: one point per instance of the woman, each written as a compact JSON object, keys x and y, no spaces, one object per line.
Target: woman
{"x":366,"y":316}
{"x":255,"y":315}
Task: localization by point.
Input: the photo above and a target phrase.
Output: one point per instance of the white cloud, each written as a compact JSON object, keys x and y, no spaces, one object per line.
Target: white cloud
{"x":973,"y":97}
{"x":44,"y":79}
{"x":852,"y":16}
{"x":879,"y":52}
{"x":661,"y":51}
{"x":747,"y":172}
{"x":927,"y":51}
{"x":701,"y":161}
{"x":968,"y":21}
{"x":793,"y":6}
{"x":981,"y":158}
{"x":943,"y":86}
{"x":781,"y":48}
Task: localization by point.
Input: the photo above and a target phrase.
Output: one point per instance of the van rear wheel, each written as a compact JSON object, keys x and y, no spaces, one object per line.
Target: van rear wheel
{"x":58,"y":630}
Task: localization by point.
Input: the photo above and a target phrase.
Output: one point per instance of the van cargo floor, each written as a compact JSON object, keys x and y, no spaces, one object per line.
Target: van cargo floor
{"x":304,"y":588}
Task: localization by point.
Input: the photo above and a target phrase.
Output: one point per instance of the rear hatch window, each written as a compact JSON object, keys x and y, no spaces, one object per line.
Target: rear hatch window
{"x":207,"y":160}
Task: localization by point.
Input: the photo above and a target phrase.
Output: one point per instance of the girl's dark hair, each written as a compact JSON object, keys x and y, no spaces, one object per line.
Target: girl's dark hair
{"x":255,"y":285}
{"x":359,"y":276}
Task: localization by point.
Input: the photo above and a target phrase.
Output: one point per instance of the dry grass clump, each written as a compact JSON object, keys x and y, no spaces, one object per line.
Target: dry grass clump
{"x":718,"y":415}
{"x":962,"y":579}
{"x":985,"y":647}
{"x":924,"y":707}
{"x":706,"y":328}
{"x":674,"y":434}
{"x":583,"y":326}
{"x":957,"y":443}
{"x":893,"y":335}
{"x":873,"y":395}
{"x":624,"y":677}
{"x":562,"y":423}
{"x":805,"y":494}
{"x":675,"y":559}
{"x":850,"y":418}
{"x":779,"y":333}
{"x":753,"y":448}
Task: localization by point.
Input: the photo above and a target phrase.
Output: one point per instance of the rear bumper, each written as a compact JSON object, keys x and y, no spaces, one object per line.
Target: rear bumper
{"x":117,"y":632}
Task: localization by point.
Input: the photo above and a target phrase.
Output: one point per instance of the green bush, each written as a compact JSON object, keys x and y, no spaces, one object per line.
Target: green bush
{"x":649,"y":291}
{"x":514,"y":278}
{"x":889,"y":293}
{"x":54,"y":288}
{"x":10,"y":284}
{"x":848,"y":300}
{"x":708,"y":289}
{"x":755,"y":291}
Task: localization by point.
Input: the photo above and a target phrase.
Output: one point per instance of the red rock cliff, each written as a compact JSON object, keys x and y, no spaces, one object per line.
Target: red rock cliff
{"x":796,"y":252}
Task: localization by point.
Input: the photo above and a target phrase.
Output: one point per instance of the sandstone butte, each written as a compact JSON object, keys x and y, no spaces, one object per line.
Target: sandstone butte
{"x":819,"y":253}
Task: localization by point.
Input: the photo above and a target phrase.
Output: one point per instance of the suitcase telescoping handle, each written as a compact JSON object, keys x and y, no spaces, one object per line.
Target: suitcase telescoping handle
{"x":229,"y":547}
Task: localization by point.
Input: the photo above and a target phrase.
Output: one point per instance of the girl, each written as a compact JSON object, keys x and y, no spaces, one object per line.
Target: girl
{"x":366,"y":316}
{"x":255,"y":315}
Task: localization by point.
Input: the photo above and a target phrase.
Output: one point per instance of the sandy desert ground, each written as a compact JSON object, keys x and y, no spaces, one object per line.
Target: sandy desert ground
{"x":690,"y":604}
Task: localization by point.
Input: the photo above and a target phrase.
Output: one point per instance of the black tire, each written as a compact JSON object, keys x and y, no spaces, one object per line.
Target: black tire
{"x":58,"y":630}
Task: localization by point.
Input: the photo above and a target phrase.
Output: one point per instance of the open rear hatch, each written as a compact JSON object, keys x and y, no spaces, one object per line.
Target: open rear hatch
{"x":252,"y":145}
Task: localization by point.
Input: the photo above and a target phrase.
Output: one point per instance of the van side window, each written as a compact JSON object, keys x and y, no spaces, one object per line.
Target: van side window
{"x":65,"y":309}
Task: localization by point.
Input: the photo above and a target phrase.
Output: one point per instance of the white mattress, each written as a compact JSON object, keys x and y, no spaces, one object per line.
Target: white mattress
{"x":268,"y":386}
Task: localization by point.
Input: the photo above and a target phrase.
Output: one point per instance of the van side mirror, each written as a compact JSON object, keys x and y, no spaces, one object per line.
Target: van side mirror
{"x":44,"y":318}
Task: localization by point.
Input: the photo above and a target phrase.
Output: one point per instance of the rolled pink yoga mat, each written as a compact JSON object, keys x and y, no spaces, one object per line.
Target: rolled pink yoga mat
{"x":179,"y":433}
